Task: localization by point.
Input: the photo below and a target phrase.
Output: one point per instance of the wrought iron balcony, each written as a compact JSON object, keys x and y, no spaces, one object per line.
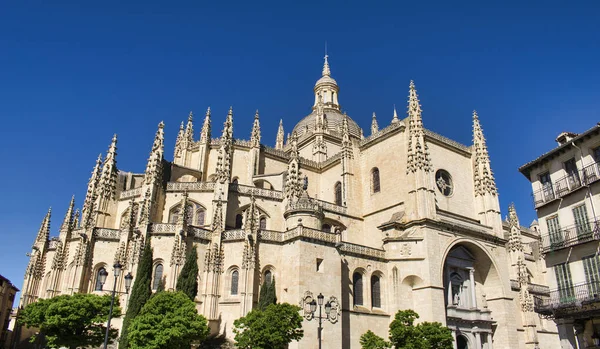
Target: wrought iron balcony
{"x":569,"y":300}
{"x":571,"y":236}
{"x":567,"y":184}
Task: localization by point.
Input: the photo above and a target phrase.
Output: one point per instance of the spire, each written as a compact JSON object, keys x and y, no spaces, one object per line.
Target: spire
{"x":374,"y":125}
{"x":251,"y":216}
{"x":205,"y":132}
{"x":189,"y":130}
{"x":482,"y":174}
{"x":76,"y":219}
{"x":514,"y":238}
{"x":108,"y":178}
{"x":224,"y":158}
{"x":179,"y":141}
{"x":91,"y":194}
{"x":184,"y":214}
{"x":255,"y":137}
{"x":395,"y":118}
{"x":326,"y":70}
{"x":418,"y":152}
{"x":44,"y":232}
{"x":280,"y":135}
{"x":217,"y":222}
{"x":345,"y":133}
{"x":67,"y":223}
{"x":153,"y":172}
{"x":293,"y":179}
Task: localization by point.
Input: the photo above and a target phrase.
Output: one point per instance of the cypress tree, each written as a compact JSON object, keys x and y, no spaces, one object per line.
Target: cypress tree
{"x":267,"y":295}
{"x":140,"y":293}
{"x":187,"y":282}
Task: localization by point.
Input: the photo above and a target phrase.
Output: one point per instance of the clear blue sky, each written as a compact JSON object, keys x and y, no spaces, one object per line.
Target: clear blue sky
{"x":73,"y":74}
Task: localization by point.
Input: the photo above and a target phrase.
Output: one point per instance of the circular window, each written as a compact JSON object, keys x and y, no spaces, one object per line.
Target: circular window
{"x":443,"y":180}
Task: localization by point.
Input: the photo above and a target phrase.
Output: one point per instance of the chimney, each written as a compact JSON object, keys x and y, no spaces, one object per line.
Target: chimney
{"x":565,"y":137}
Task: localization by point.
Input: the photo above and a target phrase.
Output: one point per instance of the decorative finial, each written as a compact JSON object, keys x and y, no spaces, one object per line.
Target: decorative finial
{"x":326,"y":70}
{"x":395,"y":118}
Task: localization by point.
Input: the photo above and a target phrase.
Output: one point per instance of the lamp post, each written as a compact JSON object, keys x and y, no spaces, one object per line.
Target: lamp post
{"x":313,"y":308}
{"x":103,"y":274}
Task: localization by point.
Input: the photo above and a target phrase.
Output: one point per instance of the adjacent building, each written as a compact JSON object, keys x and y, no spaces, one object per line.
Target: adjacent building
{"x":400,"y":218}
{"x":566,"y":195}
{"x":7,"y":298}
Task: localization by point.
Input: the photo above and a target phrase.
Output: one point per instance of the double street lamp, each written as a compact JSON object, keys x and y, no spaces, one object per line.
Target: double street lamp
{"x":313,"y":308}
{"x":102,"y":276}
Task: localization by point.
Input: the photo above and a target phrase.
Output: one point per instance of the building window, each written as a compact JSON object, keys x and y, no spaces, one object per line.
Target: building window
{"x":591,"y":267}
{"x":564,"y":282}
{"x":338,"y":193}
{"x":443,"y":180}
{"x":235,"y":276}
{"x":357,"y":284}
{"x":582,"y":224}
{"x":98,"y":286}
{"x":572,"y":173}
{"x":158,"y":274}
{"x":596,"y":154}
{"x":375,"y":184}
{"x":262,"y":223}
{"x":239,"y":221}
{"x":268,"y":276}
{"x":375,"y":291}
{"x":326,"y":228}
{"x":195,"y":214}
{"x":556,"y":237}
{"x":547,"y":186}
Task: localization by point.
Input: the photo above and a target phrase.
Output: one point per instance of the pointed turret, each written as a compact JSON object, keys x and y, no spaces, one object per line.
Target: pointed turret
{"x":153,"y":172}
{"x":205,"y":132}
{"x":76,"y":219}
{"x":483,"y":176}
{"x":293,"y":179}
{"x":280,"y":136}
{"x":374,"y":125}
{"x":326,"y":89}
{"x":189,"y":130}
{"x":183,"y":217}
{"x":515,"y":242}
{"x":108,"y":179}
{"x":418,"y":151}
{"x":67,"y":223}
{"x":224,"y":159}
{"x":217,"y":222}
{"x":91,"y":194}
{"x":179,"y":141}
{"x":255,"y":136}
{"x":395,"y":118}
{"x":44,"y":232}
{"x":345,"y":134}
{"x":326,"y":70}
{"x":251,"y":217}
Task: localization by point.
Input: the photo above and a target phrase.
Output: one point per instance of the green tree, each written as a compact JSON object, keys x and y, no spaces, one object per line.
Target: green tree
{"x":274,"y":328}
{"x":140,"y":293}
{"x":168,"y":320}
{"x":187,"y":282}
{"x":370,"y":340}
{"x":267,"y":295}
{"x":71,"y":321}
{"x":427,"y":335}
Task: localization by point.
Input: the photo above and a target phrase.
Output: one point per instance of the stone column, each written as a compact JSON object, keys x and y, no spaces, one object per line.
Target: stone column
{"x":473,"y":295}
{"x":477,"y":336}
{"x":490,"y":341}
{"x":454,"y":344}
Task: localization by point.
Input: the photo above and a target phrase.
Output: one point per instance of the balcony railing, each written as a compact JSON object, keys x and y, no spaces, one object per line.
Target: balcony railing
{"x":572,"y":235}
{"x":566,"y":184}
{"x":568,"y":299}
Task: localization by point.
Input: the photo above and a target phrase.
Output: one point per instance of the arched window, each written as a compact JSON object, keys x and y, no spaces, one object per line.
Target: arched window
{"x":375,"y":184}
{"x":262,"y":223}
{"x":98,"y":286}
{"x":268,"y":276}
{"x":375,"y":291}
{"x":158,"y":274}
{"x":357,"y":283}
{"x":235,"y":181}
{"x":235,"y":276}
{"x":326,"y":228}
{"x":338,"y":193}
{"x":239,"y":221}
{"x":195,"y":214}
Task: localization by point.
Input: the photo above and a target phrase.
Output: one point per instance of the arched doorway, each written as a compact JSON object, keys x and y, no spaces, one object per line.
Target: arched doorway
{"x":470,"y":278}
{"x":461,"y":342}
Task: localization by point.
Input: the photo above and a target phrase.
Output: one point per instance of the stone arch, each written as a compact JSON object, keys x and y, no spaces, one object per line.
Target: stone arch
{"x":231,"y":285}
{"x":263,"y":183}
{"x":197,"y":215}
{"x":95,"y":280}
{"x":158,"y":273}
{"x":264,"y":273}
{"x":359,"y":287}
{"x":405,"y":291}
{"x":377,"y":301}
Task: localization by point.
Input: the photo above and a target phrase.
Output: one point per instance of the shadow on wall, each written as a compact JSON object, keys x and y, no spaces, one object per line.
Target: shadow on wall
{"x":346,"y":291}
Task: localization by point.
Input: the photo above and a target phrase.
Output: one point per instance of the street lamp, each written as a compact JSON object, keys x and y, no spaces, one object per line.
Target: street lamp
{"x":117,"y":271}
{"x":331,"y":304}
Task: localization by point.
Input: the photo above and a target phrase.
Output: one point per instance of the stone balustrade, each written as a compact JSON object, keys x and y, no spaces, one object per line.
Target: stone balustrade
{"x":191,"y":186}
{"x":364,"y":251}
{"x":131,"y":193}
{"x":107,"y":234}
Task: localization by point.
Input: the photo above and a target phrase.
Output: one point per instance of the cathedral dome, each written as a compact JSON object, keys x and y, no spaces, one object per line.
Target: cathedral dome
{"x":335,"y":120}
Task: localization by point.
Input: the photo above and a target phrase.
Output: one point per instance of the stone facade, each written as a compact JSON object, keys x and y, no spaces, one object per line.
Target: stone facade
{"x":566,"y":193}
{"x":7,"y":298}
{"x":404,"y":218}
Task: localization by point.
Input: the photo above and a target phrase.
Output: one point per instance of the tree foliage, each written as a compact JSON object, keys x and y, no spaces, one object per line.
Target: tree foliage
{"x":370,"y":340}
{"x":427,"y":335}
{"x":168,"y":320}
{"x":140,"y":293}
{"x":187,"y":282}
{"x":272,"y":328}
{"x":267,"y":294}
{"x":71,"y":321}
